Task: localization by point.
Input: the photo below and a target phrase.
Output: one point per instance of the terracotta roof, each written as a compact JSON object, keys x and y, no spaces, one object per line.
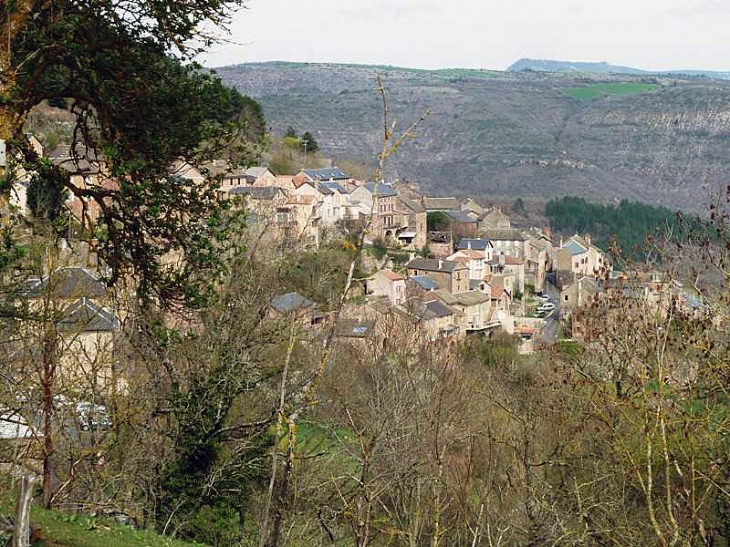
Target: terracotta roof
{"x":299,"y":180}
{"x":497,"y":292}
{"x":390,"y":274}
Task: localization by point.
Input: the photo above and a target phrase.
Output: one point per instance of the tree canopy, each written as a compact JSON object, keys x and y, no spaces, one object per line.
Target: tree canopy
{"x":124,"y":68}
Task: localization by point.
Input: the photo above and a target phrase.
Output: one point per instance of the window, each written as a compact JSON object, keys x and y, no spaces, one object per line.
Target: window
{"x":566,"y":298}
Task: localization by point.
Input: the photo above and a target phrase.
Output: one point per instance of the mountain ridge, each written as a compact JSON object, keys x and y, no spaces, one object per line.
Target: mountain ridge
{"x":552,"y":65}
{"x":513,"y":134}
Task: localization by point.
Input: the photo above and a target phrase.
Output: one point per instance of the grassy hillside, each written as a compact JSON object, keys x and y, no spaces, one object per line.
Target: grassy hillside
{"x":69,"y":530}
{"x":503,"y":135}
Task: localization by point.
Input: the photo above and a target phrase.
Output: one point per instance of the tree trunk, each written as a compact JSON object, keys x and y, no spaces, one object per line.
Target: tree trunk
{"x":21,"y":533}
{"x":49,"y":372}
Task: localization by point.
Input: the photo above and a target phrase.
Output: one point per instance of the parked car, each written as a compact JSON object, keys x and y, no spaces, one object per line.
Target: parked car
{"x":547,"y":306}
{"x":92,"y":416}
{"x":61,"y":401}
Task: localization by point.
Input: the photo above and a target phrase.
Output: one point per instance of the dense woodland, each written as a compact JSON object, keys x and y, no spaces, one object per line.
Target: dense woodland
{"x":230,"y":425}
{"x":623,"y":227}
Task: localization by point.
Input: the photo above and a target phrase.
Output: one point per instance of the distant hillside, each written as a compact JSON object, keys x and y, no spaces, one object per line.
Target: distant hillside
{"x":548,"y":65}
{"x":660,"y":140}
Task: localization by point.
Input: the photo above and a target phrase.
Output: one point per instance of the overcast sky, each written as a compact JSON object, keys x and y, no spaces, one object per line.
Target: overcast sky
{"x":648,"y":34}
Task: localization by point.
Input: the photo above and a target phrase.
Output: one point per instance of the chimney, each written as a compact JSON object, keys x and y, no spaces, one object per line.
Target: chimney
{"x":468,"y":244}
{"x":502,"y":259}
{"x":441,"y":263}
{"x":587,"y":237}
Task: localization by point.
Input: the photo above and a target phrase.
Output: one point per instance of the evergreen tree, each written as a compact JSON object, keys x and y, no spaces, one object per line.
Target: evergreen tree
{"x":46,"y":194}
{"x":291,"y":133}
{"x":312,"y":145}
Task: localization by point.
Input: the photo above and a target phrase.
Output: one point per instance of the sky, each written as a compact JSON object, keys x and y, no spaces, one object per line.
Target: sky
{"x":648,"y":34}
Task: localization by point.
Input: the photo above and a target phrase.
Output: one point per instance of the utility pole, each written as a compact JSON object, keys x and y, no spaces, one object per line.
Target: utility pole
{"x":304,"y":161}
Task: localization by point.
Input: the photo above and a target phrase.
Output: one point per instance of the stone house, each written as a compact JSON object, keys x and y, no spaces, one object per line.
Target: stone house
{"x":450,"y":276}
{"x":88,"y":330}
{"x":494,"y":219}
{"x":411,"y":216}
{"x":328,"y":174}
{"x":508,"y":241}
{"x":389,"y":284}
{"x":293,"y":306}
{"x":578,"y":294}
{"x":510,"y":268}
{"x":476,"y":261}
{"x":333,"y":203}
{"x":538,"y":261}
{"x":471,"y":206}
{"x":474,"y":310}
{"x":88,"y":170}
{"x":379,"y":200}
{"x":433,"y":316}
{"x":578,"y":257}
{"x":462,"y":225}
{"x":501,"y":303}
{"x":231,"y":175}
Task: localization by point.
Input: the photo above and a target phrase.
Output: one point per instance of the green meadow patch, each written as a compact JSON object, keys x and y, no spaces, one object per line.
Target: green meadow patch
{"x":595,"y":91}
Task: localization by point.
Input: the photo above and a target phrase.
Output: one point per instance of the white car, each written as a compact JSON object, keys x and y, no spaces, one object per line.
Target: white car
{"x":92,"y":416}
{"x":547,"y":306}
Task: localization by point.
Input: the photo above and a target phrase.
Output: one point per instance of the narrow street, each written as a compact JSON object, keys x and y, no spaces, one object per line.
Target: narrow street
{"x":550,"y":330}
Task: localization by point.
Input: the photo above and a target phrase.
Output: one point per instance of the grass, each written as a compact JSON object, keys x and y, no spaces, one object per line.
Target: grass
{"x":73,"y":530}
{"x":596,"y":91}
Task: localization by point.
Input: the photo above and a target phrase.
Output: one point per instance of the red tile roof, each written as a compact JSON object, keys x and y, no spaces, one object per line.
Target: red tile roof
{"x":497,"y":292}
{"x":390,"y":274}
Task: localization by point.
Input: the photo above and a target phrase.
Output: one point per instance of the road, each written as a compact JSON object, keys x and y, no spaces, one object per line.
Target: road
{"x":550,"y":330}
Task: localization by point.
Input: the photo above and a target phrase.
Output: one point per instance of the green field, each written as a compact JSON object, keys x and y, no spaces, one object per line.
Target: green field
{"x":595,"y":91}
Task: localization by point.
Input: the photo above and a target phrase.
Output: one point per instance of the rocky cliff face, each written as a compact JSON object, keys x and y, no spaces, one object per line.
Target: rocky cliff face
{"x":509,"y":135}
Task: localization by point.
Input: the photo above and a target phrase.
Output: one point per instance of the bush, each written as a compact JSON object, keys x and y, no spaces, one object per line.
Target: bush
{"x":379,"y":249}
{"x":291,"y":142}
{"x":438,"y":222}
{"x":399,"y":257}
{"x":216,"y":526}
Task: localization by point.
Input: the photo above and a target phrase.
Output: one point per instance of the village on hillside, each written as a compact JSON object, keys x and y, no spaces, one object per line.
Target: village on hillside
{"x":451,"y":267}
